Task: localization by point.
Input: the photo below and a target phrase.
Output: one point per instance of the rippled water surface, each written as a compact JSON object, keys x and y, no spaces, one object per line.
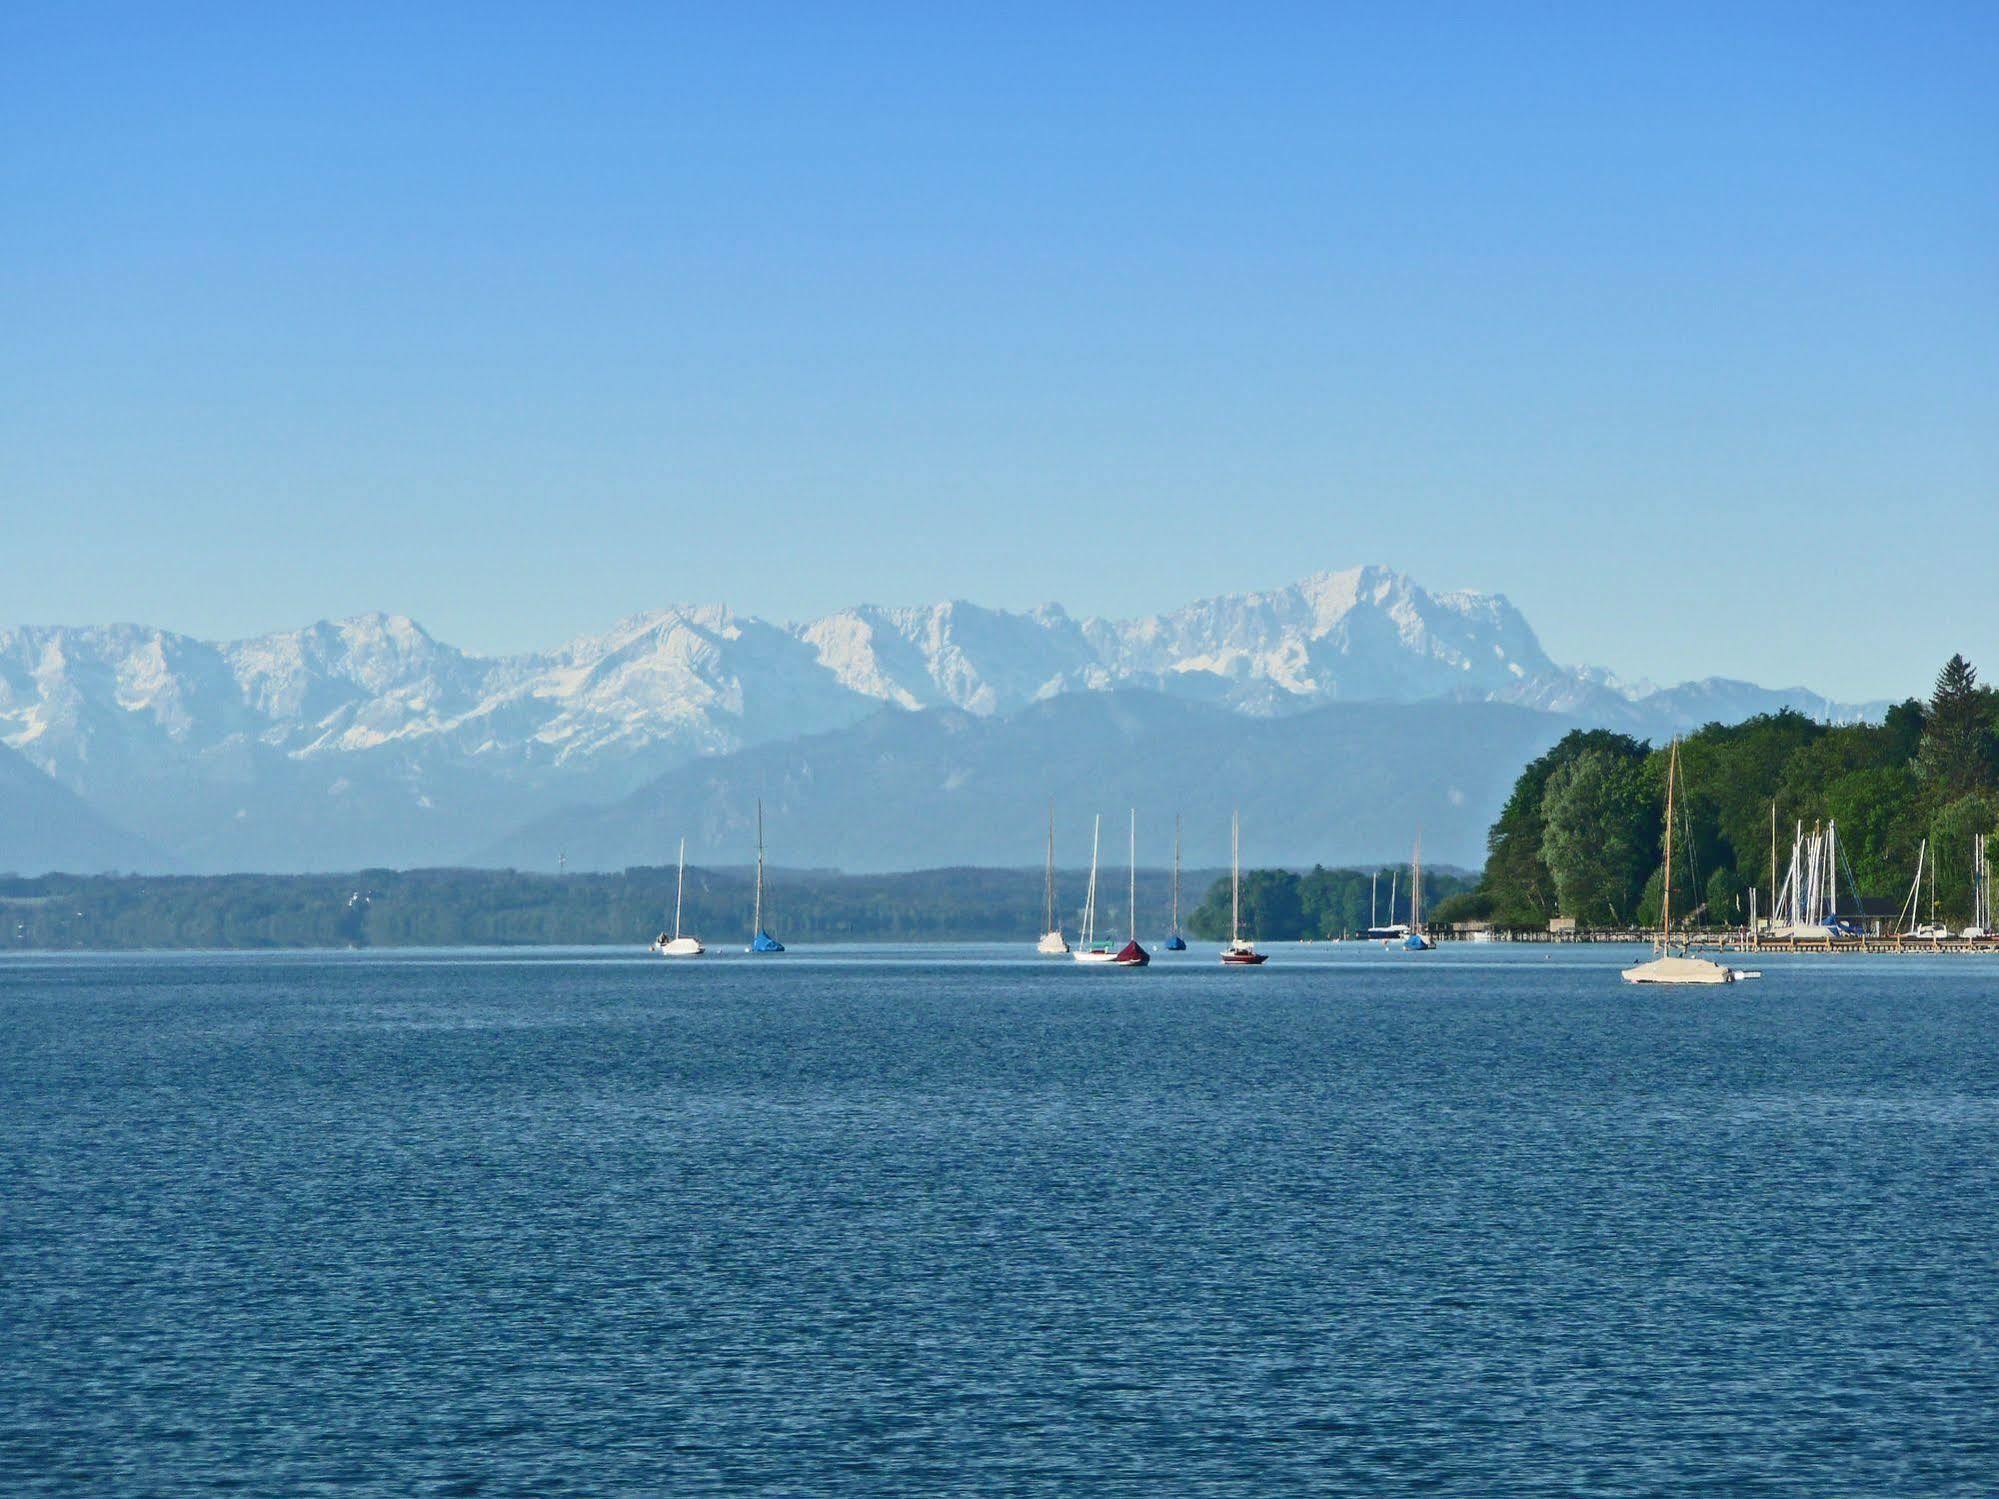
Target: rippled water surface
{"x":1481,"y":1221}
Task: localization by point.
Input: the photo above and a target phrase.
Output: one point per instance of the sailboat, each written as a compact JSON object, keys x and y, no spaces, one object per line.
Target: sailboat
{"x":1052,"y":944}
{"x":1981,"y":891}
{"x":1414,"y":940}
{"x":677,"y":946}
{"x":763,"y":941}
{"x":1176,"y":943}
{"x":1131,"y":955}
{"x":1910,"y":922}
{"x":1391,"y":932}
{"x":1238,"y":954}
{"x":1088,"y":949}
{"x":1666,"y":968}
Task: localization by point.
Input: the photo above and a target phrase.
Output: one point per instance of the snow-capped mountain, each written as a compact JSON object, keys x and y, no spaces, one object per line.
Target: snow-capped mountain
{"x":368,"y":741}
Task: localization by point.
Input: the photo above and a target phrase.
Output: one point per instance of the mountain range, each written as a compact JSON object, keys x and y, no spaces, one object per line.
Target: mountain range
{"x":366,"y":741}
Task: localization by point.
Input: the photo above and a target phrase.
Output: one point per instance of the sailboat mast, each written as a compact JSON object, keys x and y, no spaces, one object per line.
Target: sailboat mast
{"x":1176,"y":873}
{"x":1131,"y":897}
{"x":1050,"y":900}
{"x":1773,"y":856}
{"x":1090,"y":901}
{"x":758,"y":921}
{"x":1235,"y":876}
{"x":1416,"y":884}
{"x":679,"y":884}
{"x":1666,"y":883}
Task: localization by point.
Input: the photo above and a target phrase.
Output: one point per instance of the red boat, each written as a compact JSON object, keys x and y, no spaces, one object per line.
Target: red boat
{"x":1131,"y":955}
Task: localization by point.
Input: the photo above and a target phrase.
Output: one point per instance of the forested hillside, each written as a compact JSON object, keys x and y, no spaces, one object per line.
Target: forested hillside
{"x":1581,"y":834}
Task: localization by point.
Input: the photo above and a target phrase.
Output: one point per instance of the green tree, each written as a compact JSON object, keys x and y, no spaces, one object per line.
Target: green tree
{"x":1951,"y":833}
{"x":1727,"y":899}
{"x":1957,"y":753}
{"x":1879,"y":812}
{"x":1518,"y":885}
{"x":1602,"y":831}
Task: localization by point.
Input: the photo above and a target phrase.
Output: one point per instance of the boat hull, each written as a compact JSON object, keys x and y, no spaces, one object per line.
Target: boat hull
{"x":1244,"y":959}
{"x":764,"y":942}
{"x":1052,"y":945}
{"x":679,"y":947}
{"x":1680,"y":971}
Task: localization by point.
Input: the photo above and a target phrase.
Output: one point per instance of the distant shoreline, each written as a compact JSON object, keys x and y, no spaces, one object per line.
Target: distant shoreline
{"x":464,"y":908}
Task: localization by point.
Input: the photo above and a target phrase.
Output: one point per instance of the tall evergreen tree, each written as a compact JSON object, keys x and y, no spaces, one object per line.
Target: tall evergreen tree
{"x":1957,"y":753}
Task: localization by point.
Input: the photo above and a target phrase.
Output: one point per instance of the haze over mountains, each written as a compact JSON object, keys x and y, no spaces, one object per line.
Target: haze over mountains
{"x":889,"y":737}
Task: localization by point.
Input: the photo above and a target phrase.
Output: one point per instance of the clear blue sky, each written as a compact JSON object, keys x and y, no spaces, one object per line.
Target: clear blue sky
{"x":1679,"y":324}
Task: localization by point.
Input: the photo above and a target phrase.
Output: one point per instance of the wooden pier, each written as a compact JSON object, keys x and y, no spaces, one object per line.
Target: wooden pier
{"x":1745,"y":942}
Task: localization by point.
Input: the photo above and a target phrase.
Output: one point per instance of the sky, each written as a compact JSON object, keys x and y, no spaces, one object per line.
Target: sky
{"x":1677,"y":324}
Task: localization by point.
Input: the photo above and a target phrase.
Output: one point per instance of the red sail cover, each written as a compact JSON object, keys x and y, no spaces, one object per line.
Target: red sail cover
{"x":1132,"y":955}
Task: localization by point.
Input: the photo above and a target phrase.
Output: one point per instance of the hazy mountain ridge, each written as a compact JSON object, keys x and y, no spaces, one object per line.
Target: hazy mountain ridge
{"x":1341,"y":782}
{"x":367,"y":740}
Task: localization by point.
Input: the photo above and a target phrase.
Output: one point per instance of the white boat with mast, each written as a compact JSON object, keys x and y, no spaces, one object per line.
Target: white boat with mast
{"x":1390,"y":933}
{"x":1052,"y":944}
{"x":1981,"y":890}
{"x":1667,"y":967}
{"x":762,"y":941}
{"x":1238,"y":954}
{"x":677,"y":946}
{"x":1910,"y":923}
{"x":1088,"y":949}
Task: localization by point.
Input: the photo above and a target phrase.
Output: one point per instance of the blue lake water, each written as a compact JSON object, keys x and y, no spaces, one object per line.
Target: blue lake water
{"x":889,"y":1220}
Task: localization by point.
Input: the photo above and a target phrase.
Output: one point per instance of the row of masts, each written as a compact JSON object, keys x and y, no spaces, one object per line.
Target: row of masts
{"x":1054,"y":942}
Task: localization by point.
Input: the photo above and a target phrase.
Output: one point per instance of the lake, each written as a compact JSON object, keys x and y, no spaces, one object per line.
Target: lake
{"x":954,"y":1218}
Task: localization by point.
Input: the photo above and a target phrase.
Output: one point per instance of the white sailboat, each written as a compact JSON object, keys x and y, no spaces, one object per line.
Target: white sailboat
{"x":677,"y":946}
{"x":1052,"y":944}
{"x":1683,"y":968}
{"x":1981,"y":891}
{"x":1910,"y":922}
{"x":1238,"y":954}
{"x":1088,"y":949}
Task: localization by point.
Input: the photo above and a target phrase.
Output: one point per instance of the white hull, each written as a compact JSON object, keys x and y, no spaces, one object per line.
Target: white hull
{"x":1684,"y":971}
{"x":1052,"y":945}
{"x":1094,"y":955}
{"x":679,"y":947}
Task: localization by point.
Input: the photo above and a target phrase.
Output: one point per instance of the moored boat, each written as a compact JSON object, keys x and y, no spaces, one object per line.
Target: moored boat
{"x":1175,"y":942}
{"x":1413,"y":939}
{"x":676,"y":945}
{"x":1088,"y":949}
{"x":1683,"y":967}
{"x":1238,"y":953}
{"x":1131,"y":955}
{"x":1052,"y":944}
{"x":763,"y":941}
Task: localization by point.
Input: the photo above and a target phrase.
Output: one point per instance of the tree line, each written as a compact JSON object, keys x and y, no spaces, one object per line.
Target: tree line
{"x":481,"y":907}
{"x":1582,"y":832}
{"x":1281,"y":906}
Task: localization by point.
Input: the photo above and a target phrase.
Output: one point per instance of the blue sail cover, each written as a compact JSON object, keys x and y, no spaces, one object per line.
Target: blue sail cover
{"x":1173,"y":944}
{"x":765,"y":942}
{"x":1417,"y":942}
